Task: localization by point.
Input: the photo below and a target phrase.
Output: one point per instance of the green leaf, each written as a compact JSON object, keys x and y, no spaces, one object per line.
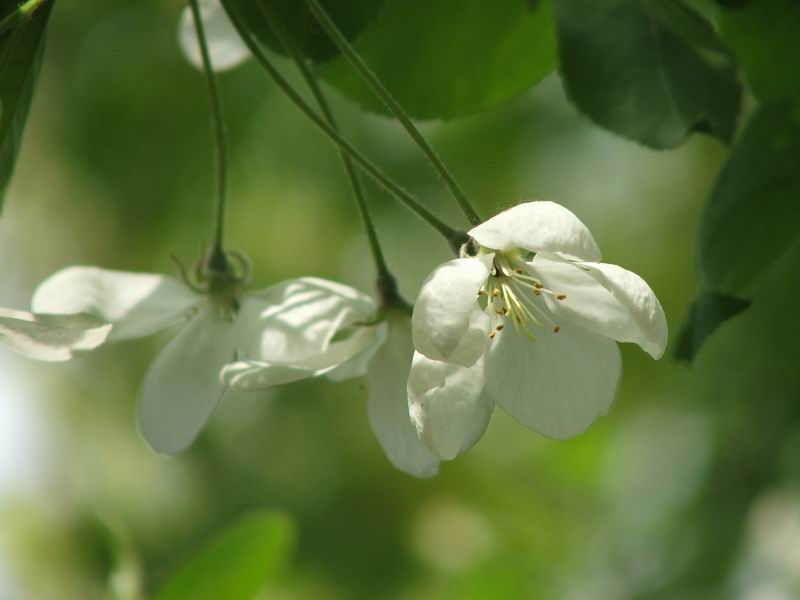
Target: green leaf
{"x":352,"y":16}
{"x":21,"y":51}
{"x":765,"y":36}
{"x":650,"y":70}
{"x":708,"y":312}
{"x":449,"y":58}
{"x":235,"y":564}
{"x":754,"y":211}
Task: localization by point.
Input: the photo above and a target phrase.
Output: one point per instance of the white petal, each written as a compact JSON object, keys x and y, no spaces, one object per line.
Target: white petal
{"x":539,"y":226}
{"x":226,"y":48}
{"x":183,"y":387}
{"x":558,"y":384}
{"x":639,"y":299}
{"x":136,"y":304}
{"x":51,"y":337}
{"x":301,"y":328}
{"x":448,"y":404}
{"x":444,"y":323}
{"x":388,"y":402}
{"x":604,"y":298}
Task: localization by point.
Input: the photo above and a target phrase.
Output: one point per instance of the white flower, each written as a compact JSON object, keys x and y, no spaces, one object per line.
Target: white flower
{"x":226,"y":48}
{"x":50,"y":337}
{"x":291,"y":326}
{"x":527,"y":318}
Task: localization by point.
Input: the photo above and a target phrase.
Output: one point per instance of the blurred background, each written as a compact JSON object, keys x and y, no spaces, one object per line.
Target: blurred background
{"x":689,"y":488}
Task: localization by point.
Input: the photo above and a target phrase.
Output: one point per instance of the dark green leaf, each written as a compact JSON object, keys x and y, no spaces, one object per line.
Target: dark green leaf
{"x":650,"y":70}
{"x":352,"y":16}
{"x":237,"y":563}
{"x":765,"y":35}
{"x":754,"y":210}
{"x":447,"y":58}
{"x":708,"y":312}
{"x":21,"y":51}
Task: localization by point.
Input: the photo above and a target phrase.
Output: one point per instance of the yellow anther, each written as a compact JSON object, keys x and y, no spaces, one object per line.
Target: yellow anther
{"x":538,"y":286}
{"x":556,"y":329}
{"x":518,"y":271}
{"x":495,"y":292}
{"x":500,"y":327}
{"x":481,"y":293}
{"x":537,"y":292}
{"x":492,"y":334}
{"x":562,"y":296}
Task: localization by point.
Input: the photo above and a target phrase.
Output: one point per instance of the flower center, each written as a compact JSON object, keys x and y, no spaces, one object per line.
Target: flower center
{"x":513,"y":293}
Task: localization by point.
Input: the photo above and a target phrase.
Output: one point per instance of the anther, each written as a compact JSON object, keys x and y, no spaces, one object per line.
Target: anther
{"x":492,"y":334}
{"x":481,"y":293}
{"x":562,"y":296}
{"x":500,"y":327}
{"x":556,"y":329}
{"x":518,"y":271}
{"x":537,"y":292}
{"x":495,"y":292}
{"x":538,"y":286}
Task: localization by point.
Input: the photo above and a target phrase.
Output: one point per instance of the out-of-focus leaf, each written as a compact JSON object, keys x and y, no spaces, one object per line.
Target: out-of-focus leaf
{"x":352,"y":16}
{"x":447,"y":58}
{"x":21,"y":51}
{"x":708,"y":312}
{"x":754,"y":211}
{"x":650,"y":70}
{"x":765,"y":35}
{"x":237,"y":563}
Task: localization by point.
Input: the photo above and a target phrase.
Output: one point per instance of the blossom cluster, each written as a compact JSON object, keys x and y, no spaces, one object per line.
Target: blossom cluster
{"x":527,"y":318}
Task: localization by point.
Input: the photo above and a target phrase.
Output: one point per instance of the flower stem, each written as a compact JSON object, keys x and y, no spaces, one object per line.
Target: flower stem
{"x":454,"y":237}
{"x":26,"y":9}
{"x":386,"y":283}
{"x":216,"y":259}
{"x":378,"y":88}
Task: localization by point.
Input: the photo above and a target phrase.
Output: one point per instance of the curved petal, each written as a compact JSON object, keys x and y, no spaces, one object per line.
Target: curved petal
{"x":604,"y":298}
{"x":639,"y":299}
{"x":388,"y":402}
{"x":301,"y":328}
{"x":448,"y":404}
{"x":51,"y":337}
{"x":183,"y":386}
{"x":538,"y":226}
{"x":444,"y":312}
{"x":226,"y":48}
{"x":559,"y":383}
{"x":136,"y":304}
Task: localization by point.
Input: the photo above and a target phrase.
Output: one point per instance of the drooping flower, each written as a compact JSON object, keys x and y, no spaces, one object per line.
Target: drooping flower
{"x":528,"y":318}
{"x":291,"y":325}
{"x":226,"y":48}
{"x":50,"y":337}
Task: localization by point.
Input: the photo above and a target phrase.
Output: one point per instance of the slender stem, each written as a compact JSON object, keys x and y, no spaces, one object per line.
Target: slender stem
{"x":26,"y":9}
{"x":217,"y":258}
{"x":378,"y":88}
{"x":385,"y":277}
{"x":453,"y":236}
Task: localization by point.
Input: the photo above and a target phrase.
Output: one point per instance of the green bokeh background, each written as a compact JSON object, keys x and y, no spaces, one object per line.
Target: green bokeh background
{"x":688,"y":489}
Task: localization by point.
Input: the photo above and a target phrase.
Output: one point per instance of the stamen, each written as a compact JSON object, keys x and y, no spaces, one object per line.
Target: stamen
{"x":556,"y":329}
{"x":500,"y":327}
{"x":492,"y":334}
{"x":562,"y":296}
{"x":495,"y":292}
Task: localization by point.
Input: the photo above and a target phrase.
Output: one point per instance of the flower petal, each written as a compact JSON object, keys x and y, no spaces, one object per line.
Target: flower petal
{"x":538,"y":226}
{"x":302,"y":328}
{"x":51,"y":337}
{"x":559,"y":383}
{"x":444,"y":323}
{"x":226,"y":48}
{"x":604,"y":298}
{"x":388,"y":402}
{"x":448,"y":404}
{"x":639,"y":299}
{"x":136,"y":304}
{"x":183,"y":386}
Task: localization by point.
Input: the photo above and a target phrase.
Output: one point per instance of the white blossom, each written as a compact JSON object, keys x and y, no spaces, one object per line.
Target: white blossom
{"x":283,"y":333}
{"x":225,"y":47}
{"x":528,"y":318}
{"x":50,"y":337}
